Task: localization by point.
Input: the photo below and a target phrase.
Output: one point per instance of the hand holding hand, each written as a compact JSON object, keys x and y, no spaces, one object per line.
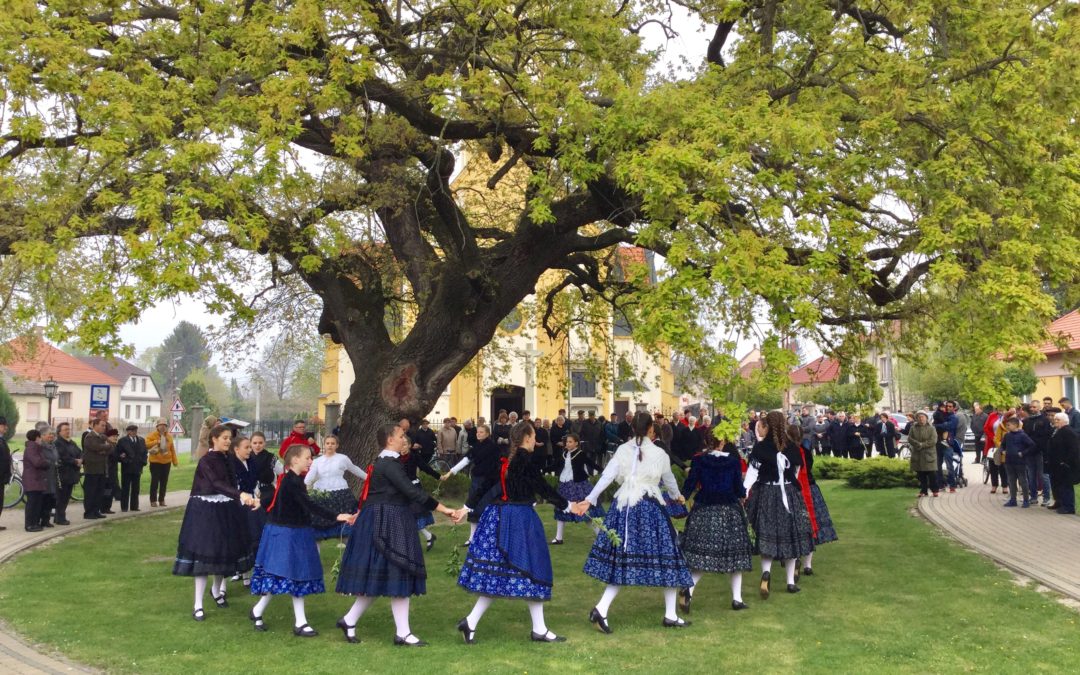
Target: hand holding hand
{"x":459,"y":515}
{"x":680,"y":499}
{"x":351,"y":520}
{"x":580,"y":508}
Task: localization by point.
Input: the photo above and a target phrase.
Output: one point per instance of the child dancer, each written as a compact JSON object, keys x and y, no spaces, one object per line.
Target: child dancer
{"x":716,"y":538}
{"x":647,"y":553}
{"x":247,"y":480}
{"x":327,"y":475}
{"x":508,"y":557}
{"x":424,"y":519}
{"x":383,"y":556}
{"x":484,"y":457}
{"x":214,"y":538}
{"x":775,"y":508}
{"x":821,"y":521}
{"x":288,"y":559}
{"x":574,"y":485}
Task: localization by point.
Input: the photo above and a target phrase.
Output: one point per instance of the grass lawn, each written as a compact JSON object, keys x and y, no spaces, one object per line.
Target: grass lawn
{"x":891,"y":596}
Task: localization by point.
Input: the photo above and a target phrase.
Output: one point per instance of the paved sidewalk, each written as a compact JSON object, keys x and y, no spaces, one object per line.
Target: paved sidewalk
{"x":1035,"y":542}
{"x":16,"y":655}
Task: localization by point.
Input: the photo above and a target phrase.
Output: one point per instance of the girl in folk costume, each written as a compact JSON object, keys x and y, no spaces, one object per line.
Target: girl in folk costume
{"x":424,"y":518}
{"x":266,"y":467}
{"x":820,"y":521}
{"x":716,"y":538}
{"x":775,"y":508}
{"x":214,"y":537}
{"x":647,"y":553}
{"x":288,"y":559}
{"x":383,"y":556}
{"x":247,"y":480}
{"x":508,"y":557}
{"x":574,"y":485}
{"x":327,"y":476}
{"x":484,"y":456}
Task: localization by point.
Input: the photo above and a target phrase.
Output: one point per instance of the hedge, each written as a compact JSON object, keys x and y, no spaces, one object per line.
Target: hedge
{"x":876,"y":473}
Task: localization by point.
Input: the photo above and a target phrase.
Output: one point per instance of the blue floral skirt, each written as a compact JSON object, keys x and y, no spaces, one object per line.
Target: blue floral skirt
{"x":575,"y":491}
{"x":383,"y":556}
{"x":826,"y":532}
{"x":648,"y":554}
{"x":288,"y":562}
{"x":215,"y":538}
{"x":508,"y":556}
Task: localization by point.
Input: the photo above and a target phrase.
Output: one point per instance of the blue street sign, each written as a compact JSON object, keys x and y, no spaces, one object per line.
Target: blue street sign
{"x":99,"y":397}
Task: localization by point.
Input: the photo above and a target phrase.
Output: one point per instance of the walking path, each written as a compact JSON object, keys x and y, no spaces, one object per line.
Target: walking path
{"x":17,"y":656}
{"x":1035,"y":542}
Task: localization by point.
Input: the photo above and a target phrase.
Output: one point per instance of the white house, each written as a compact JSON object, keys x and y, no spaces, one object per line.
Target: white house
{"x":140,"y":400}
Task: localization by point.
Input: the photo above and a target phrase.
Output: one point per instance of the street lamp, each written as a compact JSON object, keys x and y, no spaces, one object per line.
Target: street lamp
{"x":51,"y":387}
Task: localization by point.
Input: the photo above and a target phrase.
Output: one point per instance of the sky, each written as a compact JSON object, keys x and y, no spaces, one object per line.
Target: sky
{"x":688,"y":46}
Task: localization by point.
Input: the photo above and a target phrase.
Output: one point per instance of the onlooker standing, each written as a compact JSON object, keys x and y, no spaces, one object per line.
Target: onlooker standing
{"x":963,"y":424}
{"x":36,"y":469}
{"x":922,"y":439}
{"x":447,"y":438}
{"x":806,"y":426}
{"x":1018,"y":446}
{"x":69,"y":458}
{"x":1072,"y":413}
{"x":162,"y":457}
{"x":1063,"y":462}
{"x":424,"y":442}
{"x":1038,"y":428}
{"x":132,"y":453}
{"x":112,"y":472}
{"x":884,"y":432}
{"x":52,"y":486}
{"x":96,"y":451}
{"x":5,"y":463}
{"x":297,"y":437}
{"x":839,"y":432}
{"x":978,"y":421}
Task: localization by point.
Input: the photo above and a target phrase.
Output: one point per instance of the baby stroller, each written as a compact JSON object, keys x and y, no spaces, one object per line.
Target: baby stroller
{"x":958,"y":462}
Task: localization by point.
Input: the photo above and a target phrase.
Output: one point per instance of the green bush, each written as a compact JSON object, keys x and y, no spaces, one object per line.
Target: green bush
{"x":8,"y":410}
{"x":877,"y":473}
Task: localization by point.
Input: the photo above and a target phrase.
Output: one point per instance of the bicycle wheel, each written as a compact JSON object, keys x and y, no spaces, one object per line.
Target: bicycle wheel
{"x":986,"y":470}
{"x":440,"y":465}
{"x":77,"y":492}
{"x":14,"y":493}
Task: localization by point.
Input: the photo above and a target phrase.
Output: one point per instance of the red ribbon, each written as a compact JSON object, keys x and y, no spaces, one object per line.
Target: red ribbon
{"x":505,"y":466}
{"x":277,"y":488}
{"x":804,"y":485}
{"x":367,"y":483}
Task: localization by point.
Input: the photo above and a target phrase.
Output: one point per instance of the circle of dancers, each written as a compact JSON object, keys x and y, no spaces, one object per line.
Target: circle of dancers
{"x":248,"y":513}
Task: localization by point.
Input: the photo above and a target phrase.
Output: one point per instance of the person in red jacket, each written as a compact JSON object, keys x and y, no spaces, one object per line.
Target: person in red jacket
{"x":299,"y":437}
{"x":989,"y":435}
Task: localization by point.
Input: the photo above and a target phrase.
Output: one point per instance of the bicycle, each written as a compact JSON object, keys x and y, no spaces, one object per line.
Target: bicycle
{"x":986,"y":469}
{"x":439,"y":465}
{"x":14,"y":494}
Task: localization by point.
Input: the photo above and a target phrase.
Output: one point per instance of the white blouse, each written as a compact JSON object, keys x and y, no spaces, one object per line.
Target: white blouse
{"x":327,"y":473}
{"x":638,"y":478}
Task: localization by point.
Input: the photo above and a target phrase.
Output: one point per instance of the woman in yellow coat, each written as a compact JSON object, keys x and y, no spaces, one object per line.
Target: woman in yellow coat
{"x":162,"y":456}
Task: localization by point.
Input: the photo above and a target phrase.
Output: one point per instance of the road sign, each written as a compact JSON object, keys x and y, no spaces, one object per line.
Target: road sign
{"x":177,"y":406}
{"x":176,"y":429}
{"x":99,"y":397}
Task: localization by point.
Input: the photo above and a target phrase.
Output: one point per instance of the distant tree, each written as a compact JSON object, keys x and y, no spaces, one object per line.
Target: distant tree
{"x":9,"y":410}
{"x":1021,"y":378}
{"x":193,"y":393}
{"x":185,"y":350}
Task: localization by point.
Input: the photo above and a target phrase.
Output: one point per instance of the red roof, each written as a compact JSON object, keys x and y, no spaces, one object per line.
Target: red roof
{"x":819,"y":370}
{"x":40,"y":361}
{"x":1067,"y":327}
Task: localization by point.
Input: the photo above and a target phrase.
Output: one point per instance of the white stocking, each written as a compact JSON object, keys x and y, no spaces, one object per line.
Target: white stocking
{"x":427,"y":535}
{"x":808,"y":560}
{"x":766,"y":564}
{"x":736,"y":586}
{"x":400,"y":608}
{"x":560,"y":528}
{"x":200,"y":591}
{"x":606,"y":599}
{"x":536,"y":611}
{"x":670,"y":596}
{"x":299,"y":617}
{"x":260,"y":607}
{"x":217,"y":587}
{"x":696,"y":576}
{"x":789,"y":567}
{"x":477,"y":613}
{"x":472,"y":531}
{"x":355,"y":612}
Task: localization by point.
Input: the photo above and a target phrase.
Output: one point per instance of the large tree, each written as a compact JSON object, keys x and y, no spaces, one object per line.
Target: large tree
{"x":827,"y":161}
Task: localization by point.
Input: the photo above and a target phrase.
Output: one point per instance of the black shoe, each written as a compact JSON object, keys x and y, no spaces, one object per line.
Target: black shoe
{"x":546,"y":637}
{"x":431,"y":542}
{"x":92,"y":516}
{"x":136,"y":509}
{"x":738,"y":604}
{"x":599,"y":621}
{"x":304,"y":631}
{"x":808,"y":571}
{"x":677,"y":623}
{"x":221,"y":602}
{"x":257,"y":621}
{"x":686,"y":600}
{"x":34,"y":528}
{"x":404,"y":641}
{"x":766,"y":578}
{"x":792,"y":588}
{"x":468,"y":633}
{"x":123,"y":510}
{"x":345,"y":628}
{"x":199,"y":615}
{"x":108,"y":512}
{"x":1065,"y":512}
{"x":556,"y":542}
{"x":46,"y":524}
{"x":63,"y":522}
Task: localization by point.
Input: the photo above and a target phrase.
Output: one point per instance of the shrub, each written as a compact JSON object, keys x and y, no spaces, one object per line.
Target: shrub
{"x":876,"y":473}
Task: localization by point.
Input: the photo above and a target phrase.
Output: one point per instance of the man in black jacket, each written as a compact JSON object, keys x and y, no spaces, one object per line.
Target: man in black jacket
{"x":884,"y":434}
{"x":96,"y":450}
{"x":1038,"y":427}
{"x":425,"y":438}
{"x":1063,"y":463}
{"x":70,"y":467}
{"x":838,"y":432}
{"x":131,"y":452}
{"x":5,"y":463}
